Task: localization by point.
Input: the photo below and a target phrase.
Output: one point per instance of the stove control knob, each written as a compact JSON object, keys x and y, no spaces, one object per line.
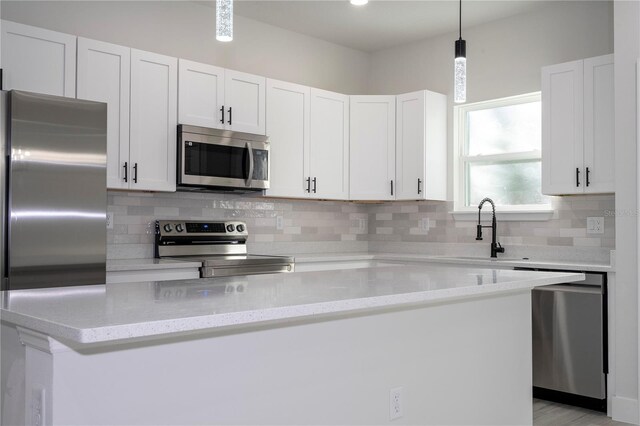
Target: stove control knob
{"x":179,"y":227}
{"x":167,"y":228}
{"x":230,"y":228}
{"x":240,"y":228}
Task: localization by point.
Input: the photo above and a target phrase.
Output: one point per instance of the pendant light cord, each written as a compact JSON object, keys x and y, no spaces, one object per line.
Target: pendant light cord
{"x":460,"y":27}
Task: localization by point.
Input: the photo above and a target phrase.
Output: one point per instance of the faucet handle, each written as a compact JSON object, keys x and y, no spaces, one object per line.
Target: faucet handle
{"x":499,"y":249}
{"x":479,"y":232}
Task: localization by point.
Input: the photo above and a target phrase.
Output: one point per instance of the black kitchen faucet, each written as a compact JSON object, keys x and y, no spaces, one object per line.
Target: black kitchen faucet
{"x":495,"y":246}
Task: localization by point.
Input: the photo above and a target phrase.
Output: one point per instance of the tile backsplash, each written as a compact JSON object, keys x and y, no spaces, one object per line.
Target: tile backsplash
{"x":400,"y":222}
{"x":334,"y":226}
{"x":312,"y":225}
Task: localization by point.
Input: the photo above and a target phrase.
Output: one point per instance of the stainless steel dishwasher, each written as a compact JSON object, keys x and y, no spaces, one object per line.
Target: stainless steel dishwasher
{"x":570,"y":342}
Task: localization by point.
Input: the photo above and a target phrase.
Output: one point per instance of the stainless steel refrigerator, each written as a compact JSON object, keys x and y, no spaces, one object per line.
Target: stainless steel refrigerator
{"x":54,"y":198}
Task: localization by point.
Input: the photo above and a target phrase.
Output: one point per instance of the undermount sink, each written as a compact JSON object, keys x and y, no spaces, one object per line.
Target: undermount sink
{"x":492,"y":259}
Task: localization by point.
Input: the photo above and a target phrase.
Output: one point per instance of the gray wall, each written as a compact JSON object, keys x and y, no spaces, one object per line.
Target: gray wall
{"x":504,"y":57}
{"x":186,"y":29}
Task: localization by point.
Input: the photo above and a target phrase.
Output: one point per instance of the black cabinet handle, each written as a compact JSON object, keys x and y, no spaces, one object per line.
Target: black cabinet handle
{"x":314,"y":185}
{"x":577,"y":176}
{"x":391,"y":186}
{"x":135,"y":173}
{"x":588,"y":182}
{"x":308,"y":184}
{"x":419,"y":183}
{"x":126,"y":168}
{"x":222,"y":112}
{"x":230,"y":115}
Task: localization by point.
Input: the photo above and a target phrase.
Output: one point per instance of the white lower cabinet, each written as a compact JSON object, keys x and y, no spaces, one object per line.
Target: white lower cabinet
{"x":154,"y":119}
{"x":421,"y":146}
{"x":287,"y":126}
{"x":103,"y":76}
{"x":372,"y":148}
{"x":329,"y":145}
{"x":140,"y":89}
{"x":38,"y":60}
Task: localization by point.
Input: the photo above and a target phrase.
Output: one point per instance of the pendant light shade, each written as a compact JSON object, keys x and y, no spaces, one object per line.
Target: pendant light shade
{"x":460,"y":67}
{"x":359,"y":2}
{"x":224,"y":20}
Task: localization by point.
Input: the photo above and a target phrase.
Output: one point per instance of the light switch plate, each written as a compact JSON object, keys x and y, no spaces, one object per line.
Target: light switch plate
{"x":595,"y":225}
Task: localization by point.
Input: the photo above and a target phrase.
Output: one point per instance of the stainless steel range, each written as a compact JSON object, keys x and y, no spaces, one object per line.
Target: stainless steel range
{"x":220,"y":246}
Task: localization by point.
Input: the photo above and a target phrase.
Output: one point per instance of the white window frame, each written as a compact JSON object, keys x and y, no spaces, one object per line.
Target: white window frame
{"x":504,"y":212}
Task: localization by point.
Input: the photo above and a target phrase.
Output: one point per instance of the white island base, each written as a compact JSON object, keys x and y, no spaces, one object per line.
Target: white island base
{"x":457,"y":361}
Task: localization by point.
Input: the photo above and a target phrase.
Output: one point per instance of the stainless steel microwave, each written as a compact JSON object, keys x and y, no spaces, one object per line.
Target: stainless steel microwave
{"x":214,"y":159}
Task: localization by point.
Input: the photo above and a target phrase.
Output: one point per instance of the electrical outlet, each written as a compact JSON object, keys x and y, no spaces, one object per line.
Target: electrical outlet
{"x":279,"y":223}
{"x":395,"y":403}
{"x":109,"y":220}
{"x":595,"y":225}
{"x":424,"y":224}
{"x":362,"y":224}
{"x":37,"y":406}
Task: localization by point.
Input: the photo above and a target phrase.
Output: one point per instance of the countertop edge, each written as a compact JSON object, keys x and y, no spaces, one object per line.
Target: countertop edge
{"x":220,"y":322}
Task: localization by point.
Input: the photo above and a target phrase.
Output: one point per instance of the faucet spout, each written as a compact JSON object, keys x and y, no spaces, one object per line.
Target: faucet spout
{"x":495,"y":246}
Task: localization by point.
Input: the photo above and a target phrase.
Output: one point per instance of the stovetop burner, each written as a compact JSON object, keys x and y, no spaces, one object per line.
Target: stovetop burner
{"x":220,"y":246}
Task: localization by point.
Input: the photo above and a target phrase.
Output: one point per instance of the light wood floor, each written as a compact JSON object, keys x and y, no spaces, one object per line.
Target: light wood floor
{"x":552,"y":413}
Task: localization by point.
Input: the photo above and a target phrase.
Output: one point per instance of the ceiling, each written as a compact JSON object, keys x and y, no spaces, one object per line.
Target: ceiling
{"x":380,"y":24}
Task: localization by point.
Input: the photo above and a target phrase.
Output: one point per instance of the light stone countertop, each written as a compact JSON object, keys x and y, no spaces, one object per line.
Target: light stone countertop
{"x":116,"y":312}
{"x":567,"y":265}
{"x":502,"y":262}
{"x":149,"y":264}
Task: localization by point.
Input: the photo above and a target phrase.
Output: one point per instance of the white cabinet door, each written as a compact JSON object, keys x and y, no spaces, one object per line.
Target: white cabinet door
{"x":103,"y":76}
{"x":410,"y":145}
{"x":244,"y":102}
{"x":200,"y":94}
{"x":421,"y":146}
{"x":288,"y":130}
{"x":329,"y":145}
{"x":154,"y":81}
{"x":38,"y":60}
{"x":562,"y":129}
{"x":599,"y":166}
{"x":372,"y":147}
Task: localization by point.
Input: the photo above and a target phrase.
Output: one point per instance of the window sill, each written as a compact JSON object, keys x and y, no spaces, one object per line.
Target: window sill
{"x":509,"y":215}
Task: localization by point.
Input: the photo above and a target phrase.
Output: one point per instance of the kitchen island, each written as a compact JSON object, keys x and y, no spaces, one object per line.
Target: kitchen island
{"x":276,"y":349}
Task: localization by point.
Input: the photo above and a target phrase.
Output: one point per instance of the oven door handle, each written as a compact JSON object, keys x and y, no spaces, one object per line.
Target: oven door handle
{"x":250,"y":176}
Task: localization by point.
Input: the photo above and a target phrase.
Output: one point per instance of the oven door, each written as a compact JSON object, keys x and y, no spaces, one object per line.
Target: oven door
{"x":218,"y":161}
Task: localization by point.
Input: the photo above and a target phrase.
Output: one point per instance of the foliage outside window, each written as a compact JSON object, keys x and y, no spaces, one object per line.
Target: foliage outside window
{"x":498,"y":154}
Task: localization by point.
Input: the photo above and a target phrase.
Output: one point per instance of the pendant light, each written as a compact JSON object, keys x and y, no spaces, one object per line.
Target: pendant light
{"x":359,"y":2}
{"x":224,"y":20}
{"x":460,"y":67}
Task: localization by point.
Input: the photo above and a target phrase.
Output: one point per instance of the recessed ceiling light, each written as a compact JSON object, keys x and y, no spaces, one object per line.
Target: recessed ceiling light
{"x":359,"y":2}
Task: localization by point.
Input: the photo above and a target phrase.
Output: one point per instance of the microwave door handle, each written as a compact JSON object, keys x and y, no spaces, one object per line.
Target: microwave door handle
{"x":250,"y":177}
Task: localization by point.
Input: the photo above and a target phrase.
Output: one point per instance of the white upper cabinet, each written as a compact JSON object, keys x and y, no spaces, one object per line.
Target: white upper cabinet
{"x":38,"y":60}
{"x":287,"y":126}
{"x":372,"y":147}
{"x":103,"y":76}
{"x":201,"y":95}
{"x":218,"y":98}
{"x":329,"y":145}
{"x":421,"y":146}
{"x":577,"y":127}
{"x":244,"y":102}
{"x":562,"y":128}
{"x":599,"y":129}
{"x":154,"y":89}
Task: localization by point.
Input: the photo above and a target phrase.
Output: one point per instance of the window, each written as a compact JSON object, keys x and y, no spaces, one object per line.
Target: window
{"x":498,"y":154}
